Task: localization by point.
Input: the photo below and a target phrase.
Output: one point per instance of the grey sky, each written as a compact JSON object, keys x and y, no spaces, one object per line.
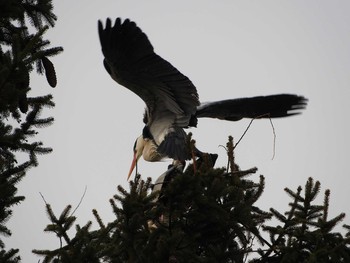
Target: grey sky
{"x":228,"y":49}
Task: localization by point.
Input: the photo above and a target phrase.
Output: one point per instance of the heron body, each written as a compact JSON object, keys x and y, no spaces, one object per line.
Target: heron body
{"x":172,"y":102}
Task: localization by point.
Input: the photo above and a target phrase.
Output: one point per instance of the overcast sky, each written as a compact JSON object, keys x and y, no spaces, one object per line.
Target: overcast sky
{"x":228,"y":49}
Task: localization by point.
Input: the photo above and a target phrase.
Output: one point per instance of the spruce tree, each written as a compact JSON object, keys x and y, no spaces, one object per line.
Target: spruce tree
{"x":306,"y":234}
{"x":23,"y":49}
{"x":204,"y":214}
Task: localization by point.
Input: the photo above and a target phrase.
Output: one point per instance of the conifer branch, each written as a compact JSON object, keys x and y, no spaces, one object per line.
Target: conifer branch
{"x":210,"y":218}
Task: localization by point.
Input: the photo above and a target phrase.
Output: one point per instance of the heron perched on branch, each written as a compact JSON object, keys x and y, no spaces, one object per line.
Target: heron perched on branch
{"x":172,"y":102}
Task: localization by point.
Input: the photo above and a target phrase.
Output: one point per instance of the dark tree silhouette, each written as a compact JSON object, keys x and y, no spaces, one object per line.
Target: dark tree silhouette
{"x":22,"y":49}
{"x":204,"y":216}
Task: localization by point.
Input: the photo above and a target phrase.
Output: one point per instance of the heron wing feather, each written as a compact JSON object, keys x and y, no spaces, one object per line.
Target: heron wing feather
{"x":131,"y":61}
{"x":273,"y":106}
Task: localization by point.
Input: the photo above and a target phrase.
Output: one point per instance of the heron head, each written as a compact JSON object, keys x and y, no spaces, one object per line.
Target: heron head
{"x":138,"y":150}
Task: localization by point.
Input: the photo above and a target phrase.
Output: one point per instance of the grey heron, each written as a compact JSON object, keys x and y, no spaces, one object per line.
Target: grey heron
{"x":172,"y":102}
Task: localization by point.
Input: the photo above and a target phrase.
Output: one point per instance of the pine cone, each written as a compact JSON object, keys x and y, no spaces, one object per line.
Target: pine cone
{"x":49,"y":72}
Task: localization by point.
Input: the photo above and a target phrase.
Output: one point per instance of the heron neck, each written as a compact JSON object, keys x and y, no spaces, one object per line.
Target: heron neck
{"x":150,"y":152}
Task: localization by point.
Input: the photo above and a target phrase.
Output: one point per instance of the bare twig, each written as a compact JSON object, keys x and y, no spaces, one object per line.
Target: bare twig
{"x":81,"y":200}
{"x":250,"y":123}
{"x":43,"y":198}
{"x":273,"y":131}
{"x":274,"y":140}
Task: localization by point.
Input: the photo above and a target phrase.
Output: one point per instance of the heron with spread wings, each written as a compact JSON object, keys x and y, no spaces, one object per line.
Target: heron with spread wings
{"x":172,"y":102}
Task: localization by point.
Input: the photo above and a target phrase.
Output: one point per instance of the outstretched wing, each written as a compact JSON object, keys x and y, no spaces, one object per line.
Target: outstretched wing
{"x":171,"y":98}
{"x":274,"y":106}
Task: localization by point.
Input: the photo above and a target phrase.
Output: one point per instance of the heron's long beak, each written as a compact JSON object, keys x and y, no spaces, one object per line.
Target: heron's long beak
{"x":133,"y":164}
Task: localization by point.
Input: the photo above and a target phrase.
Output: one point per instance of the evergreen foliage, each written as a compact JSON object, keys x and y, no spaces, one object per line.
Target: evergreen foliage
{"x":22,"y":49}
{"x":203,"y":215}
{"x":306,"y":232}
